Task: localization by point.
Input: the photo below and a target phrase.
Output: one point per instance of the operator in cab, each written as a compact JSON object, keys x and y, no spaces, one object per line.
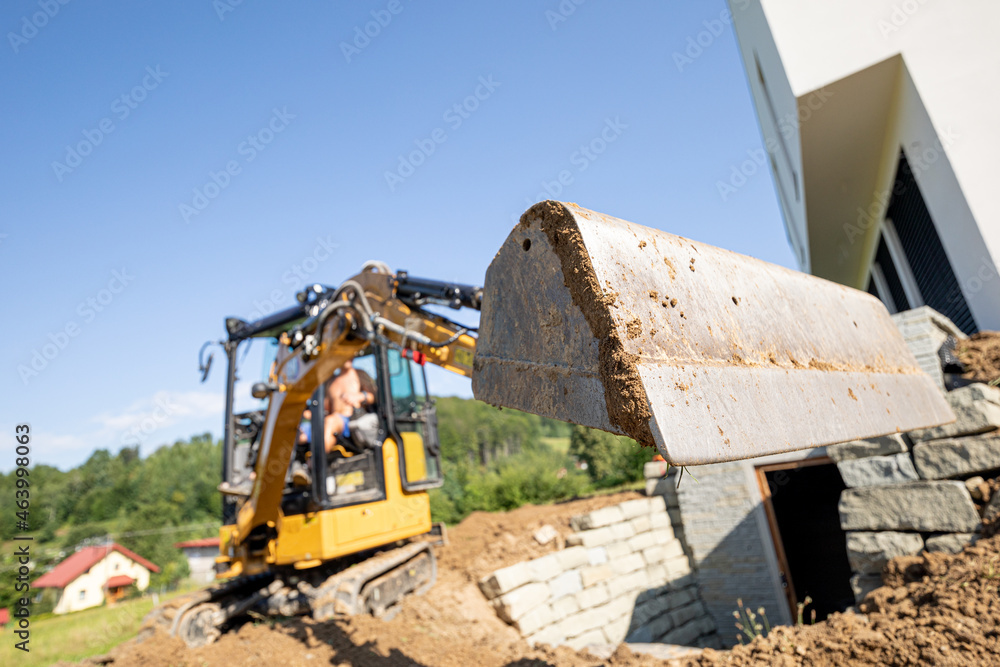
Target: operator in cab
{"x":351,"y":423}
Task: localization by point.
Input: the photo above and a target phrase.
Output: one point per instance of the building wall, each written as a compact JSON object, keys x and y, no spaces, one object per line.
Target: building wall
{"x":971,"y":241}
{"x":726,"y":530}
{"x":778,"y":117}
{"x":201,"y":561}
{"x":87,"y":590}
{"x":937,"y":104}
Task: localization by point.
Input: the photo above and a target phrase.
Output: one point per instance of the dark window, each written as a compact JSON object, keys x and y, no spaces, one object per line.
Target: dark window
{"x":872,"y":289}
{"x":892,"y":281}
{"x":931,"y":269}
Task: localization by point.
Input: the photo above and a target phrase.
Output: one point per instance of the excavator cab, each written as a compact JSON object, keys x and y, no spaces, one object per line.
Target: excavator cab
{"x":349,"y":469}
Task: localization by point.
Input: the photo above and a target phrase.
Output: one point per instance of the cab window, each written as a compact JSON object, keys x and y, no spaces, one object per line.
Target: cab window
{"x":415,"y":422}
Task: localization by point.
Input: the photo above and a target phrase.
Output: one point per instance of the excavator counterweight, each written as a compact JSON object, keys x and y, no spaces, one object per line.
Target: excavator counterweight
{"x":707,"y":354}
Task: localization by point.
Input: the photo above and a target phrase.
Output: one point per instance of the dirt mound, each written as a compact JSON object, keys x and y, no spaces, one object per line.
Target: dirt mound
{"x":452,"y":625}
{"x":485,"y":542}
{"x":935,"y":609}
{"x":980,"y":355}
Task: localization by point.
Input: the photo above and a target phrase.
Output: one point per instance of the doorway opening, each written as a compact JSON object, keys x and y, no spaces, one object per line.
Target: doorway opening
{"x":800,"y":500}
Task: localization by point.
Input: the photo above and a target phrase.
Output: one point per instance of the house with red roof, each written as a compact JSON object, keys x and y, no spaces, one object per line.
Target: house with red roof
{"x":201,"y":558}
{"x":94,"y":575}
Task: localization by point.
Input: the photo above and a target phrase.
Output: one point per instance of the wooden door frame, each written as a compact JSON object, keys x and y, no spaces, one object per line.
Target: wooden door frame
{"x":772,"y":521}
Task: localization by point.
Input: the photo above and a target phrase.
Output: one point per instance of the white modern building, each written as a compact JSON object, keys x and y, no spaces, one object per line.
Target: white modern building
{"x":880,"y":119}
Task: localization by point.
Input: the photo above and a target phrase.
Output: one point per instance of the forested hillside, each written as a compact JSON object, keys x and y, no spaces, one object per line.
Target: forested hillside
{"x":493,"y":460}
{"x":497,"y":460}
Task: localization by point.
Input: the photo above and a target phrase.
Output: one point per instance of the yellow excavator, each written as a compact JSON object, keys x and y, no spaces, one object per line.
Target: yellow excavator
{"x":702,"y":353}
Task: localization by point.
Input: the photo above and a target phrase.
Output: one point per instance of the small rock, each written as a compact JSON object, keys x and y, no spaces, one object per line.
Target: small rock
{"x":868,"y":552}
{"x":950,"y":543}
{"x":978,"y":488}
{"x":992,"y":510}
{"x":863,"y":584}
{"x":859,"y":449}
{"x":545,"y":534}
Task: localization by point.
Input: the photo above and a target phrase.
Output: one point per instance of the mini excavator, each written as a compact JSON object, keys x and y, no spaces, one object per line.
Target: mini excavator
{"x":704,"y":354}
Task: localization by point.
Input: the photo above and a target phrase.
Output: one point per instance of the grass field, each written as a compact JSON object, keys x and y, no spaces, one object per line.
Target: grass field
{"x":560,"y":445}
{"x":76,"y":636}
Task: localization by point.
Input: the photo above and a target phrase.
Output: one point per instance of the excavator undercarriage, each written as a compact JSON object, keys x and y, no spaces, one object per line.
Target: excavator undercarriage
{"x":371,"y":582}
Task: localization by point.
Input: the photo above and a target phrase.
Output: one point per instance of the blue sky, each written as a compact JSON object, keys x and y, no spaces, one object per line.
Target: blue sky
{"x":170,"y":164}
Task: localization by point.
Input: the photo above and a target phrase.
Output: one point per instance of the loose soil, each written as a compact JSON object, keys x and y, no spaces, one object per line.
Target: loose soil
{"x":452,"y":625}
{"x":934,"y":609}
{"x":980,"y":355}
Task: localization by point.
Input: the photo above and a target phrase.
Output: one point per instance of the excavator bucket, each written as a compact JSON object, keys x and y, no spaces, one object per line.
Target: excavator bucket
{"x":707,"y":354}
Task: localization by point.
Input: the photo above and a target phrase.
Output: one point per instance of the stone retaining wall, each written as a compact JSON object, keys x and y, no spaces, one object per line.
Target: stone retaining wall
{"x":925,"y":330}
{"x":904,"y":500}
{"x":623,"y":576}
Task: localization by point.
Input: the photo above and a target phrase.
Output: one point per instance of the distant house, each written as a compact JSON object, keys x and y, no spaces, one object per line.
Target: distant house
{"x":201,"y":557}
{"x":4,"y":617}
{"x":94,"y":575}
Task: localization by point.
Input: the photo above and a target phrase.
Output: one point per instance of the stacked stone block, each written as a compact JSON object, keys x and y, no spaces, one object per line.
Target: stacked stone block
{"x":925,"y":330}
{"x":623,"y":576}
{"x":661,"y":480}
{"x":904,"y":500}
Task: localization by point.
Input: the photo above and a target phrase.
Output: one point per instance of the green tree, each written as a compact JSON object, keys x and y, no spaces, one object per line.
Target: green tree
{"x":611,"y":459}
